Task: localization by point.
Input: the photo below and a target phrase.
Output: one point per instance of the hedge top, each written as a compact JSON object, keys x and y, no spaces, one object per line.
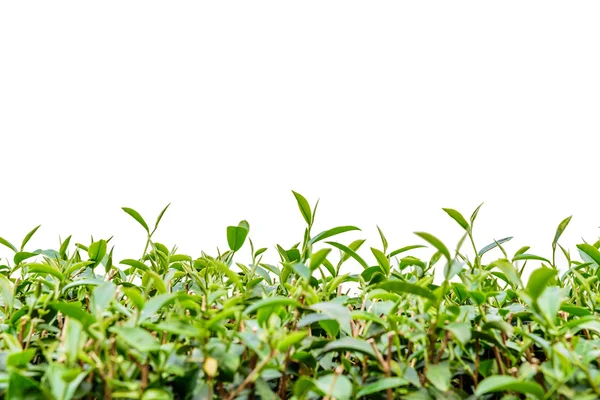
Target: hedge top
{"x":76,"y":324}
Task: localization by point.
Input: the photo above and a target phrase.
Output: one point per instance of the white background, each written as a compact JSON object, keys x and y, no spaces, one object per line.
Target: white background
{"x":386,"y":111}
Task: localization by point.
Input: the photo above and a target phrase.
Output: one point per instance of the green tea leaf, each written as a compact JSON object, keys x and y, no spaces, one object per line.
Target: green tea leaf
{"x":135,"y":264}
{"x":509,"y":270}
{"x":439,"y":375}
{"x":336,"y":387}
{"x":272,"y":301}
{"x":349,"y":344}
{"x":539,"y":279}
{"x":304,"y":207}
{"x":44,"y":269}
{"x":525,"y":256}
{"x":400,"y":287}
{"x":457,"y":216}
{"x":22,"y":256}
{"x":404,"y":249}
{"x":302,"y":270}
{"x":381,"y":385}
{"x":160,"y":217}
{"x":384,"y":241}
{"x":332,"y":232}
{"x":138,"y":338}
{"x":382,"y":260}
{"x":336,"y":312}
{"x":317,"y":258}
{"x":29,"y":236}
{"x":560,"y":229}
{"x":102,"y":296}
{"x":159,"y":284}
{"x":460,"y":331}
{"x":590,"y":251}
{"x":96,"y":252}
{"x":550,"y":301}
{"x":474,"y":214}
{"x":493,"y":245}
{"x":236,"y":236}
{"x":347,"y":250}
{"x":290,"y":340}
{"x":435,"y":242}
{"x":8,"y":244}
{"x":75,"y":311}
{"x":502,"y":383}
{"x":135,"y":215}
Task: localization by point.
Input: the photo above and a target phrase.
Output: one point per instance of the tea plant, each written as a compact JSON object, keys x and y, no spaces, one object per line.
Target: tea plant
{"x":76,"y":324}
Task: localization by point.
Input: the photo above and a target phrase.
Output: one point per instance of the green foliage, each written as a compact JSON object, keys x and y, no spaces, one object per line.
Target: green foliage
{"x":172,"y":326}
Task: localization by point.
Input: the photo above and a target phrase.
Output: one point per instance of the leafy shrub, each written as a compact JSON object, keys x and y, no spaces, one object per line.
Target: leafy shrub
{"x":75,"y":325}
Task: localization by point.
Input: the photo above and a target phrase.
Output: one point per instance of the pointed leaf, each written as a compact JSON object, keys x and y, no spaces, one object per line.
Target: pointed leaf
{"x":400,"y":287}
{"x":135,"y":215}
{"x":382,"y":260}
{"x":347,"y":250}
{"x":457,"y":216}
{"x":502,"y":383}
{"x":560,"y":229}
{"x":591,"y":251}
{"x":406,"y":248}
{"x":317,"y":258}
{"x":332,"y":232}
{"x":45,"y":269}
{"x":304,"y":207}
{"x":160,"y":217}
{"x":509,"y":270}
{"x":435,"y":242}
{"x":380,"y":385}
{"x":28,"y":236}
{"x":349,"y":344}
{"x":8,"y":244}
{"x":493,"y":245}
{"x":138,"y":338}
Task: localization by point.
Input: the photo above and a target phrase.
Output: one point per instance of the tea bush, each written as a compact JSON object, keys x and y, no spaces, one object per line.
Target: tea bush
{"x":76,"y":324}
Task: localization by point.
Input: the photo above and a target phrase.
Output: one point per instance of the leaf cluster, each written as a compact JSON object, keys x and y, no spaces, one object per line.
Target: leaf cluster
{"x":75,"y":324}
